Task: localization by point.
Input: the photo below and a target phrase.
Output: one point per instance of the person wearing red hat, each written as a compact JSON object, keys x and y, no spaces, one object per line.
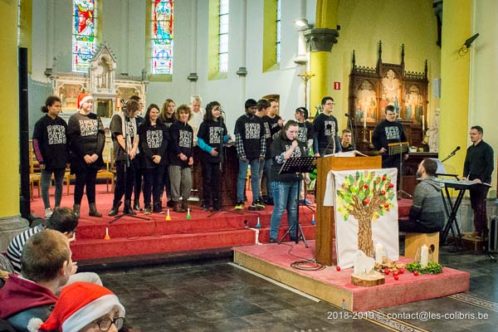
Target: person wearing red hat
{"x":86,"y":141}
{"x":83,"y":307}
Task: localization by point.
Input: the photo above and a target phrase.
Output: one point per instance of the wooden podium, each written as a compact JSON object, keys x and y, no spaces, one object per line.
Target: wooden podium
{"x":325,"y":223}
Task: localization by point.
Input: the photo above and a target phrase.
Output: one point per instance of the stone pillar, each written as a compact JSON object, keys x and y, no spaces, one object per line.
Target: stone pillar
{"x":455,"y":71}
{"x":320,"y":40}
{"x":10,"y":221}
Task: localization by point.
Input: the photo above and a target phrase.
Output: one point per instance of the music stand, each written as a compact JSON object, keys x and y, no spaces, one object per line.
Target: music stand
{"x":399,"y":148}
{"x":298,"y":165}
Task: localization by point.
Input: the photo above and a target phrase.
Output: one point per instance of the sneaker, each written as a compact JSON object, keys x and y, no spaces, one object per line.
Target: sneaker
{"x":48,"y":213}
{"x":147,"y":210}
{"x":273,"y":240}
{"x":259,"y":205}
{"x":268,"y":201}
{"x":239,"y":206}
{"x":253,"y":207}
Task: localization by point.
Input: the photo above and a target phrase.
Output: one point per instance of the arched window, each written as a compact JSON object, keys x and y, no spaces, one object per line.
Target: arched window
{"x":161,"y":36}
{"x":85,"y":27}
{"x":224,"y":14}
{"x":272,"y":25}
{"x":219,"y":18}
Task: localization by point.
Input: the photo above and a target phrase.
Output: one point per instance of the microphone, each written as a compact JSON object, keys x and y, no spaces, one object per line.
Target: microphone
{"x":455,"y":151}
{"x":346,"y":115}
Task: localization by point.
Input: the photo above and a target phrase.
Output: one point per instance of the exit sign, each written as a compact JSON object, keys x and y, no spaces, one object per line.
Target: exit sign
{"x":337,"y":85}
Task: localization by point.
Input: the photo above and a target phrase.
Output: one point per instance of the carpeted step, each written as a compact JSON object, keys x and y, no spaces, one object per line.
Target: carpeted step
{"x":144,"y":245}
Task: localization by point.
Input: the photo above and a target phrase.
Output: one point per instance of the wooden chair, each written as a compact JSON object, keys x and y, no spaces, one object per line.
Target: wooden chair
{"x":34,"y":172}
{"x":107,"y":174}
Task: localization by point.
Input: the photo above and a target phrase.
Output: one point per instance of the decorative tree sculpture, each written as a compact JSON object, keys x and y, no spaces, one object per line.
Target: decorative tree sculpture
{"x":366,"y":197}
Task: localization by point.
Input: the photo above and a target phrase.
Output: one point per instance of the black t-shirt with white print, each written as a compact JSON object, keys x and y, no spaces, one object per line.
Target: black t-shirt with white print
{"x":116,"y":128}
{"x":153,"y":141}
{"x":278,"y":148}
{"x":250,"y":130}
{"x":86,"y":137}
{"x":212,"y":133}
{"x":51,"y":137}
{"x":182,"y":141}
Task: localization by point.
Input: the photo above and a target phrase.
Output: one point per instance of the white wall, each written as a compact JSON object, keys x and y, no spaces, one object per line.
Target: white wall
{"x":123,"y":29}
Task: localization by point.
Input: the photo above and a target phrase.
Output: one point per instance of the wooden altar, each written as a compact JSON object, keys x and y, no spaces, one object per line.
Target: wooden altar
{"x":372,"y":89}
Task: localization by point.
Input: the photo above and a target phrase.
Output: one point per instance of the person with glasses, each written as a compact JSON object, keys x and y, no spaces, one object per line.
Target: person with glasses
{"x":85,"y":307}
{"x":325,"y":130}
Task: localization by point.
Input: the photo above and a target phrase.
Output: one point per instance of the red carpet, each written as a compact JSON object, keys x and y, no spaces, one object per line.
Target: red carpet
{"x":334,"y":286}
{"x":133,"y":237}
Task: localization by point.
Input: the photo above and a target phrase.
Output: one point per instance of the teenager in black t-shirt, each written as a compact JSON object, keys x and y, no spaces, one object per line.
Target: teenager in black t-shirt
{"x":86,"y":139}
{"x":125,"y":137}
{"x":51,"y":150}
{"x":211,"y":136}
{"x":153,"y":142}
{"x":168,"y":118}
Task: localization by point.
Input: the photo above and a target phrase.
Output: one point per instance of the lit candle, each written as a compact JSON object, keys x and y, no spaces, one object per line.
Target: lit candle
{"x":364,"y":119}
{"x":379,"y":253}
{"x":423,"y":125}
{"x":424,"y":256}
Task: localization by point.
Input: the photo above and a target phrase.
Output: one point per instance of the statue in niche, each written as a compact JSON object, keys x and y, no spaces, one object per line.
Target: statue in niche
{"x":414,"y":105}
{"x":433,"y":133}
{"x":391,"y":91}
{"x":366,"y":103}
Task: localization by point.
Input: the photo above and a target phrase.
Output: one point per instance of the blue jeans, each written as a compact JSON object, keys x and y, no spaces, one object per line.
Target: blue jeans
{"x":46,"y":178}
{"x":241,"y":180}
{"x":265,"y":168}
{"x":284,"y":197}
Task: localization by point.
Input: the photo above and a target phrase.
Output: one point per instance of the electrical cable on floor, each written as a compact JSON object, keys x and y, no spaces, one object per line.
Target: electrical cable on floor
{"x":304,"y":264}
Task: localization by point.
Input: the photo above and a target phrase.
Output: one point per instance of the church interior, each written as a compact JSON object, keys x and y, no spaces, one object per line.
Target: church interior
{"x":433,"y":61}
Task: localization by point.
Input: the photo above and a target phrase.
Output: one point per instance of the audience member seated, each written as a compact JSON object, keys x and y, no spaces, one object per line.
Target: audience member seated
{"x":62,"y":220}
{"x":46,"y":267}
{"x":427,"y":213}
{"x":85,"y":307}
{"x":346,"y":141}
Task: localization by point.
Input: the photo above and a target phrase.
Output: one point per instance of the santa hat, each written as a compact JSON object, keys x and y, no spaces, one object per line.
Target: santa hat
{"x":83,"y":98}
{"x":80,"y":304}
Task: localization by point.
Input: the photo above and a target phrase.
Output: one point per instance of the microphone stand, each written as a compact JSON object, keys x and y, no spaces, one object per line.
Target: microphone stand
{"x":452,"y":154}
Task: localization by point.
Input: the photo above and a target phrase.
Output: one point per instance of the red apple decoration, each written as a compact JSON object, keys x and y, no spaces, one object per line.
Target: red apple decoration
{"x":396,"y":277}
{"x":338,"y":268}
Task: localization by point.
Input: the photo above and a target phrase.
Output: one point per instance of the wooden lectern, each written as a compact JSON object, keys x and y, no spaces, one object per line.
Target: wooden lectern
{"x":325,"y":223}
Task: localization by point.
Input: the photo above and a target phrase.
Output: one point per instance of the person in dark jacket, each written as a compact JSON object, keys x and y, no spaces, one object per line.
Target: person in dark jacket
{"x":211,"y":136}
{"x":154,"y":137}
{"x":285,"y":186}
{"x":346,"y":141}
{"x":181,"y":158}
{"x":86,"y":140}
{"x":125,"y":137}
{"x":427,"y":213}
{"x":478,"y":167}
{"x":51,"y":150}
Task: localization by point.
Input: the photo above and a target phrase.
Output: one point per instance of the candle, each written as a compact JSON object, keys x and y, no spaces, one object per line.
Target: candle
{"x":364,"y":119}
{"x":380,"y":253}
{"x":423,"y":125}
{"x":424,"y":256}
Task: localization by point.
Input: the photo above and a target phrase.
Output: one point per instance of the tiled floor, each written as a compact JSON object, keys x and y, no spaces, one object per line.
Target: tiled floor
{"x":217,"y":296}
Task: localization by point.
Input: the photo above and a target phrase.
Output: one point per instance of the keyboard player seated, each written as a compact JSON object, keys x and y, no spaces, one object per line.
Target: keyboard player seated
{"x":427,"y":213}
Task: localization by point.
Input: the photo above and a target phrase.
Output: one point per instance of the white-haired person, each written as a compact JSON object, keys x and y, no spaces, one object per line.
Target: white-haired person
{"x":84,"y":307}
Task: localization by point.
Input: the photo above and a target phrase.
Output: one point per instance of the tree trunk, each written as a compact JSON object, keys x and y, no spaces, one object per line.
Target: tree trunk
{"x":365,"y":241}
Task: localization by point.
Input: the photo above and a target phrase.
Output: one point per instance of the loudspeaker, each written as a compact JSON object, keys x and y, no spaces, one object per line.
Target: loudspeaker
{"x":25,"y":203}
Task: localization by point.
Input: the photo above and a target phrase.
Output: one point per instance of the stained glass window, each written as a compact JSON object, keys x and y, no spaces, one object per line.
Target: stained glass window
{"x":223,"y":36}
{"x":162,"y":36}
{"x":84,"y":33}
{"x":279,"y":29}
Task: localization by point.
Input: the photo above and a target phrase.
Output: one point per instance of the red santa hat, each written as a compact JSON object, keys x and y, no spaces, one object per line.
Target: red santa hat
{"x":79,"y":304}
{"x":83,"y":97}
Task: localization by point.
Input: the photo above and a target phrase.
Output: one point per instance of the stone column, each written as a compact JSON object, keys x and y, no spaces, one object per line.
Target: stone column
{"x":10,"y":221}
{"x":320,"y":40}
